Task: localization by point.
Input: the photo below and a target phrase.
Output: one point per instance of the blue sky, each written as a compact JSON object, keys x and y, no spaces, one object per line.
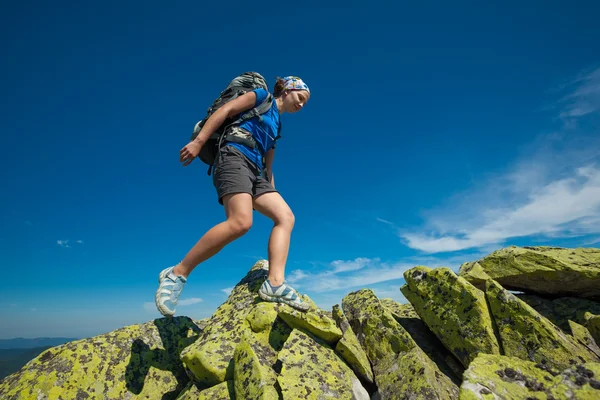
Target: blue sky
{"x":435,"y":134}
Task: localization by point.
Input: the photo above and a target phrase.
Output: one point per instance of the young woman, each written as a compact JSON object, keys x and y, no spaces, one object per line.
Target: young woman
{"x":241,"y":187}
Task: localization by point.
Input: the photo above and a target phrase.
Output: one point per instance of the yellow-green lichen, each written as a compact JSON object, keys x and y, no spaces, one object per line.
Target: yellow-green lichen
{"x":222,"y":391}
{"x":314,"y":321}
{"x":527,"y":335}
{"x":407,"y":317}
{"x":251,"y":379}
{"x":398,"y":363}
{"x":209,"y":359}
{"x":502,"y":377}
{"x":545,"y":270}
{"x":139,"y":360}
{"x":312,"y":370}
{"x":453,"y":309}
{"x":349,"y":348}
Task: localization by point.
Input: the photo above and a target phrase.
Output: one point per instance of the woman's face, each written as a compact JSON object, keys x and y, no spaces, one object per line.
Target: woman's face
{"x":294,"y":100}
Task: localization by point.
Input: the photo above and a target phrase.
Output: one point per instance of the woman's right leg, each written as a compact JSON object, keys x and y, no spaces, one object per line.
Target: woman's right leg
{"x":238,"y":210}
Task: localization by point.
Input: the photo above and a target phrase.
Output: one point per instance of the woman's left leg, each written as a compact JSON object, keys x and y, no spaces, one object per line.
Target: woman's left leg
{"x":272,"y":205}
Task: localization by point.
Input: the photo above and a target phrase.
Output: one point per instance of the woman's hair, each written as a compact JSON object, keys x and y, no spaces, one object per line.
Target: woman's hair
{"x":279,"y":85}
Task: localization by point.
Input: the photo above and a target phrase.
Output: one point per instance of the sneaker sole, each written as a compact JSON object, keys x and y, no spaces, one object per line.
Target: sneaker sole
{"x":164,"y":311}
{"x":290,"y":303}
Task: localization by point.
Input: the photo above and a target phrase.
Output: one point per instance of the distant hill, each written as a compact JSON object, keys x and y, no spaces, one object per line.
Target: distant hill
{"x":22,"y":343}
{"x":11,"y":360}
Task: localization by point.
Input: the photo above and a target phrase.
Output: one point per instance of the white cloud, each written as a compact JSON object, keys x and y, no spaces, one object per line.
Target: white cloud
{"x":342,"y":275}
{"x":189,"y":302}
{"x":551,"y":191}
{"x":66,"y":242}
{"x":585,"y":99}
{"x":227,"y":291}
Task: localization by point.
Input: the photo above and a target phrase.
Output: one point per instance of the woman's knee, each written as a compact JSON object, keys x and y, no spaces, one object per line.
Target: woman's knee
{"x":286,"y":219}
{"x":240,"y":224}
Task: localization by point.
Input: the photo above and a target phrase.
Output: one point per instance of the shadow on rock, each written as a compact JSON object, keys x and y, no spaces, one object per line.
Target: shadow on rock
{"x":174,"y":334}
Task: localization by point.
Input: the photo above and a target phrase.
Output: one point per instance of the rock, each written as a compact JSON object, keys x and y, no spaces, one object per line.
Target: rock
{"x":209,"y":359}
{"x":501,"y":377}
{"x":131,"y":362}
{"x":581,"y":334}
{"x":526,"y":334}
{"x":592,"y":323}
{"x":549,"y":271}
{"x":349,"y":348}
{"x":399,"y":365}
{"x":407,"y":317}
{"x":251,"y":379}
{"x":453,"y":309}
{"x":222,"y":391}
{"x":312,"y":370}
{"x":563,"y":309}
{"x":314,"y":321}
{"x":473,"y":272}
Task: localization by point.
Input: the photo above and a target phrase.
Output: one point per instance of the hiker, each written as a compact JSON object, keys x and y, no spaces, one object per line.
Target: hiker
{"x":243,"y":183}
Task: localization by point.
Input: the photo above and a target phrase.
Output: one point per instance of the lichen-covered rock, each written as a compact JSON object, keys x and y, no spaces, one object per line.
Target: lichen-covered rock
{"x":592,"y":323}
{"x":222,"y":391}
{"x":131,"y":362}
{"x":314,"y":321}
{"x":453,"y":309}
{"x":501,"y":377}
{"x":549,"y":271}
{"x":406,"y":316}
{"x":349,"y":348}
{"x":526,"y":334}
{"x":209,"y":359}
{"x":399,"y":365}
{"x":251,"y":379}
{"x":584,"y":337}
{"x":473,"y":272}
{"x":562,"y":310}
{"x":311,"y":369}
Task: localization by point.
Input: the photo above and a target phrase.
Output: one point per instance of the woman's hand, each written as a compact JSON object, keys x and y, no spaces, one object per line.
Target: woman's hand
{"x":189,"y":152}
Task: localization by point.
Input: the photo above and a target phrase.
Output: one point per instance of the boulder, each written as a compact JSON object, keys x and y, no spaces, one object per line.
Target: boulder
{"x":406,"y":316}
{"x":547,"y":271}
{"x":501,"y":377}
{"x":453,"y":309}
{"x":526,"y":334}
{"x":349,"y":348}
{"x":132,"y":362}
{"x":311,"y":369}
{"x":399,"y":365}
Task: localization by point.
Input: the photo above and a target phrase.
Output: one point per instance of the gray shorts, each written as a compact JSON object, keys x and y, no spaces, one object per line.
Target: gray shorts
{"x":234,"y":173}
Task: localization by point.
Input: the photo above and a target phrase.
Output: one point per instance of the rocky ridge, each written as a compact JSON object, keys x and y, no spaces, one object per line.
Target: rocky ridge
{"x":521,"y":323}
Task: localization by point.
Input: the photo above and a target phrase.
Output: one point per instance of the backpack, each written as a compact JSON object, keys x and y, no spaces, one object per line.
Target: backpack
{"x":240,"y":85}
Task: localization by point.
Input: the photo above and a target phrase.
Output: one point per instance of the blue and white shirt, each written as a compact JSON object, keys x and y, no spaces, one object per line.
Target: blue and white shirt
{"x":264,"y":132}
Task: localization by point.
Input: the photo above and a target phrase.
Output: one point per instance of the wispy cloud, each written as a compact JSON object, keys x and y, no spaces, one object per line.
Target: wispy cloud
{"x":67,"y":242}
{"x":342,"y":275}
{"x":189,"y":302}
{"x":585,"y":99}
{"x":151,"y":306}
{"x":227,"y":290}
{"x":552,"y":191}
